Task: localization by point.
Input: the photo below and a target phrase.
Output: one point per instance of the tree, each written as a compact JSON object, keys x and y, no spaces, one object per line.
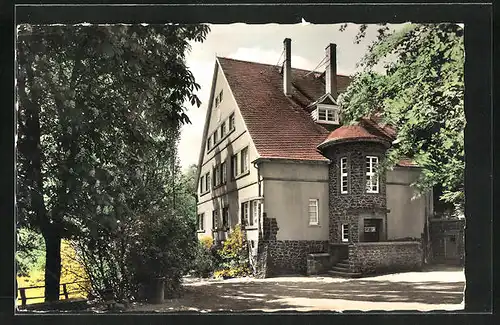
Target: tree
{"x":88,"y":97}
{"x":421,"y":94}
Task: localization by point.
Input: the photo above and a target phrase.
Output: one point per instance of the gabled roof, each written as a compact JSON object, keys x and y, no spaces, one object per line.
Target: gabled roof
{"x":280,"y":126}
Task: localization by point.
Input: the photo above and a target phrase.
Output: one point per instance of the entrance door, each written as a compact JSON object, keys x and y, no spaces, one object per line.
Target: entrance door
{"x":451,"y":247}
{"x":372,"y":229}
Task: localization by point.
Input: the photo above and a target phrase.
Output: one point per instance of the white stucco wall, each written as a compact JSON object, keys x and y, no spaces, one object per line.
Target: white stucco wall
{"x":287,"y":188}
{"x":228,"y":194}
{"x":407,"y":216}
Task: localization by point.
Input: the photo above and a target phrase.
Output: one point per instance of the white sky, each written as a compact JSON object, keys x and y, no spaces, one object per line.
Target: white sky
{"x":262,"y":43}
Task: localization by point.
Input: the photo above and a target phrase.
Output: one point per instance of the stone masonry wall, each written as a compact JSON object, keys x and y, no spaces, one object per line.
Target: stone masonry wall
{"x":290,"y":256}
{"x":385,"y":257}
{"x":356,"y":198}
{"x":278,"y":257}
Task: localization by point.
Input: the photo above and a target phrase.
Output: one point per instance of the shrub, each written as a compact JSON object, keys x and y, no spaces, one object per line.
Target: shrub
{"x":207,"y":241}
{"x":233,"y":256}
{"x":204,"y":263}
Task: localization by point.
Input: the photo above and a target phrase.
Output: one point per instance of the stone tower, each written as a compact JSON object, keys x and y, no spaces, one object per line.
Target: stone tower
{"x":357,"y":194}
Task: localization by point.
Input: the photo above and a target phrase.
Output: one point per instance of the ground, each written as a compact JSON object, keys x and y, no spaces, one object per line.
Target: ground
{"x":433,"y":289}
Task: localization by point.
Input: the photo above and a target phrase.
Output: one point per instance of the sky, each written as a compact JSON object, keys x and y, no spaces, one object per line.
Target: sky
{"x":264,"y":44}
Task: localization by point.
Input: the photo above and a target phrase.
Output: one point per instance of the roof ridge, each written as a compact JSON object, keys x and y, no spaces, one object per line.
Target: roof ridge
{"x":274,"y":65}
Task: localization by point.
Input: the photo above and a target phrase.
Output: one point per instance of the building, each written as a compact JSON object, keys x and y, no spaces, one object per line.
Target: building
{"x":277,"y":159}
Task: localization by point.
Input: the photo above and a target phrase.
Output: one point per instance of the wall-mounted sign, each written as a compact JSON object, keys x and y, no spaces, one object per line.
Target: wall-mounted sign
{"x":370,"y":229}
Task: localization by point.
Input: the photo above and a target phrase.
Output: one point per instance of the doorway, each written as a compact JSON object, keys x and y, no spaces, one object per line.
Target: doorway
{"x":372,"y":229}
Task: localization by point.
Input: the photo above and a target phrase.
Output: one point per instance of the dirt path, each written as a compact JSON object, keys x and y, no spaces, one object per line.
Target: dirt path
{"x":433,"y":290}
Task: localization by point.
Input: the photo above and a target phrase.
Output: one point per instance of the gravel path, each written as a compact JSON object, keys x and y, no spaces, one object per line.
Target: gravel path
{"x":424,"y":291}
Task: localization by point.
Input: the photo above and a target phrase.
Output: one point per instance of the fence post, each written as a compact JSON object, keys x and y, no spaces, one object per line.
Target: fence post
{"x":65,"y":291}
{"x":23,"y":296}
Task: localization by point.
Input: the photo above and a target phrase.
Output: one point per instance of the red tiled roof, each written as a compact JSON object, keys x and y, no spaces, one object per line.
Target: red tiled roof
{"x":352,"y":133}
{"x":279,"y":126}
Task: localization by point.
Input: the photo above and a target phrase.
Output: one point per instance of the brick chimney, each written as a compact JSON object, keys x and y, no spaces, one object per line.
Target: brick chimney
{"x":331,"y":70}
{"x":287,"y":67}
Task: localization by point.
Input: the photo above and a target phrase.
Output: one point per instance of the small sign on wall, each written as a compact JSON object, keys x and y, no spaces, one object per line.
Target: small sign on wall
{"x":370,"y":229}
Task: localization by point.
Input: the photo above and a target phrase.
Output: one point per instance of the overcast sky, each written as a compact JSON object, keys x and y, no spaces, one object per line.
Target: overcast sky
{"x":262,"y":43}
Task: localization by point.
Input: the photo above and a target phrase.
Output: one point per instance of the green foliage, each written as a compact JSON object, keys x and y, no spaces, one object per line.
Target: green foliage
{"x":30,"y":252}
{"x":98,"y":106}
{"x":204,"y":262}
{"x":234,"y":255}
{"x":421,"y":95}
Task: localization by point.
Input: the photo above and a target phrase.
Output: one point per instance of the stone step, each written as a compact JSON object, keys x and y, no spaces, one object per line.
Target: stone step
{"x":343,"y":264}
{"x":344,"y":274}
{"x":340,"y":268}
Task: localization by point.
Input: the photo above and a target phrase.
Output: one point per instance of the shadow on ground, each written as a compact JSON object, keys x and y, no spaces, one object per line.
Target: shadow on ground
{"x":288,"y":295}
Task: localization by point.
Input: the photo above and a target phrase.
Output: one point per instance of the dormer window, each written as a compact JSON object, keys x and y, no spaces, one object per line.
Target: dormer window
{"x":326,"y":114}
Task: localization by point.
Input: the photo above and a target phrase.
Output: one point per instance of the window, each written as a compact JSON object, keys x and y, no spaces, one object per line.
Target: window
{"x":245,"y":213}
{"x":207,"y":182}
{"x":255,"y":213}
{"x":345,"y":232}
{"x":328,"y":114}
{"x":372,"y":178}
{"x":216,"y":172}
{"x":200,"y":221}
{"x":220,"y":95}
{"x":223,"y":172}
{"x":223,"y":129}
{"x":225,"y":217}
{"x":234,"y":166}
{"x":313,"y":212}
{"x":244,"y":160}
{"x":343,"y":176}
{"x":209,"y":143}
{"x":231,"y":122}
{"x":215,"y":219}
{"x":202,"y":180}
{"x":216,"y":137}
{"x":216,"y":101}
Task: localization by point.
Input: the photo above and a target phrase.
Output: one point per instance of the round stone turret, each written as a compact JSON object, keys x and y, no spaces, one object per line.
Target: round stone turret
{"x":357,"y":193}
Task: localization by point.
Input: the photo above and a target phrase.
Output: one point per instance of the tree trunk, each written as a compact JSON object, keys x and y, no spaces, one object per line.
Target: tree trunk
{"x":52,"y":265}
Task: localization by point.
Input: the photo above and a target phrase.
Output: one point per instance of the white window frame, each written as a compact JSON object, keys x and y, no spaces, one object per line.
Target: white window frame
{"x":223,"y":172}
{"x":344,"y":176}
{"x":372,"y":178}
{"x":245,"y":213}
{"x":255,"y":213}
{"x":345,"y":234}
{"x":216,"y":137}
{"x":244,"y":160}
{"x":332,"y":114}
{"x":202,"y":183}
{"x":216,"y":175}
{"x":207,"y":182}
{"x":201,"y":225}
{"x":215,"y":219}
{"x":225,"y":211}
{"x":223,"y":130}
{"x":234,"y":166}
{"x":231,"y":122}
{"x":314,"y":204}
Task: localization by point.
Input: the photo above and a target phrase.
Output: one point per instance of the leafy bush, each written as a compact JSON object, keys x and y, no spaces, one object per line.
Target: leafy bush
{"x":207,"y":241}
{"x":233,"y":256}
{"x":166,"y":248}
{"x":204,"y":263}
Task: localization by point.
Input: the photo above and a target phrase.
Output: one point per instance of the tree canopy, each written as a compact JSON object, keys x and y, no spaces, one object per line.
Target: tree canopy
{"x":421,"y":94}
{"x":98,"y":122}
